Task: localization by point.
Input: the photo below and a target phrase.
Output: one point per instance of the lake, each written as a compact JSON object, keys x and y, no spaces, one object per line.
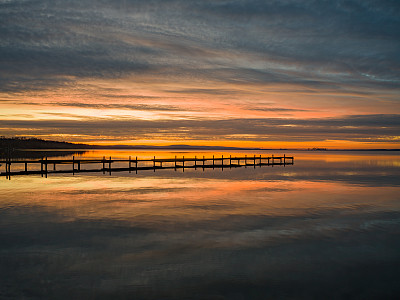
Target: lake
{"x":327,"y":227}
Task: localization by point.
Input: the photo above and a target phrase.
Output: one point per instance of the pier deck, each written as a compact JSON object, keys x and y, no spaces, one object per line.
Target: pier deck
{"x":135,"y":164}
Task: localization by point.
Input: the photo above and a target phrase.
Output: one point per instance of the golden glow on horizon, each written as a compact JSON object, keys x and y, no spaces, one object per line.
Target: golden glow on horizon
{"x":336,"y":144}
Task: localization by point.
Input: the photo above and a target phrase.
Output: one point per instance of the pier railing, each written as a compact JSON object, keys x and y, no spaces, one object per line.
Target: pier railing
{"x":109,"y":165}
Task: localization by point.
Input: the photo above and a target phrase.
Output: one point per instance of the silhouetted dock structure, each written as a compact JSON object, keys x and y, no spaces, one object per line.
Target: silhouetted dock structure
{"x":108,"y":164}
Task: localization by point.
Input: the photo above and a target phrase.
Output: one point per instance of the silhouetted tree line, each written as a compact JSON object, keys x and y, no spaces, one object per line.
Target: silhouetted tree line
{"x":35,"y":143}
{"x":18,"y":146}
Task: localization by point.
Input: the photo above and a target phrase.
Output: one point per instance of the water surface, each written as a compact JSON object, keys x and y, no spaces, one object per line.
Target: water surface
{"x":326,"y":227}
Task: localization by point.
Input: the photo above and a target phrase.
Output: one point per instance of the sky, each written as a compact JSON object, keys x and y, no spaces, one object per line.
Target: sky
{"x":272,"y":74}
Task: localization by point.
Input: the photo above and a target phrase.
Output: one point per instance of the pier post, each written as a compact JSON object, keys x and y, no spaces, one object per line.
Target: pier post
{"x":73,"y":165}
{"x":154,"y":164}
{"x":222,"y":162}
{"x":45,"y":173}
{"x":136,"y":165}
{"x":195,"y":162}
{"x":9,"y":169}
{"x":175,"y":162}
{"x":183,"y":161}
{"x":109,"y":166}
{"x":79,"y":165}
{"x":26,"y":167}
{"x":230,"y":161}
{"x":245,"y":161}
{"x":130,"y":164}
{"x":54,"y":166}
{"x":7,"y":176}
{"x":284,"y":159}
{"x":254,"y":161}
{"x":213,"y":162}
{"x":203,"y":163}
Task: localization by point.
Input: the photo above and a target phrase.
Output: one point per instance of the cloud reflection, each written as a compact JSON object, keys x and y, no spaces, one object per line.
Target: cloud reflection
{"x":219,"y":234}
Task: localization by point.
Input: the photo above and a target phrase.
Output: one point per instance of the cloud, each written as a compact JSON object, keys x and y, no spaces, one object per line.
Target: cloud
{"x":273,"y":109}
{"x":367,"y":128}
{"x":352,"y":44}
{"x":241,"y":52}
{"x":147,"y":107}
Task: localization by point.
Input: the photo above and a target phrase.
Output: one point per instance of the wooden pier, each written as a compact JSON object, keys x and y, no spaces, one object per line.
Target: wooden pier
{"x":105,"y":165}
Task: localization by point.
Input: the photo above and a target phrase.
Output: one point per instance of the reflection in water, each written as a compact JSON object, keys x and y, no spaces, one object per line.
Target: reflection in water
{"x":326,"y":227}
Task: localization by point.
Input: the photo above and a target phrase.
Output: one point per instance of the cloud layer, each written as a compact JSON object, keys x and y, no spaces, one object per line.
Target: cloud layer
{"x":298,"y":56}
{"x":371,"y":128}
{"x":319,"y":43}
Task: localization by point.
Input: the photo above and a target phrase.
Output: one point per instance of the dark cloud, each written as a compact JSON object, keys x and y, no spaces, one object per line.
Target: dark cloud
{"x":367,"y":128}
{"x":274,"y":109}
{"x":205,"y":91}
{"x":148,"y":107}
{"x":325,"y":44}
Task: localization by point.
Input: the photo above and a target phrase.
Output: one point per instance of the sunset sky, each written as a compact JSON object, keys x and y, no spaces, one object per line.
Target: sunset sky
{"x":232,"y":73}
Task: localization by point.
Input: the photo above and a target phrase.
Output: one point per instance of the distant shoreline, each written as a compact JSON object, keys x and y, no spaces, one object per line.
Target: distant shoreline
{"x":220,"y":148}
{"x":34,"y":144}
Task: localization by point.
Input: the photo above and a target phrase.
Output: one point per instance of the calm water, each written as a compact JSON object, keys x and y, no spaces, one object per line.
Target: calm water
{"x":326,"y":227}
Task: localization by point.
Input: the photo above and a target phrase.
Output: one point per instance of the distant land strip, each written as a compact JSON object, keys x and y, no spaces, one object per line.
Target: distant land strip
{"x":10,"y":144}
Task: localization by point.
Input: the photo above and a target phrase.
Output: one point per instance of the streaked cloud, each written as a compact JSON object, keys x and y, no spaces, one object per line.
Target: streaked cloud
{"x":254,"y":61}
{"x":372,"y":128}
{"x":310,"y":43}
{"x":153,"y":107}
